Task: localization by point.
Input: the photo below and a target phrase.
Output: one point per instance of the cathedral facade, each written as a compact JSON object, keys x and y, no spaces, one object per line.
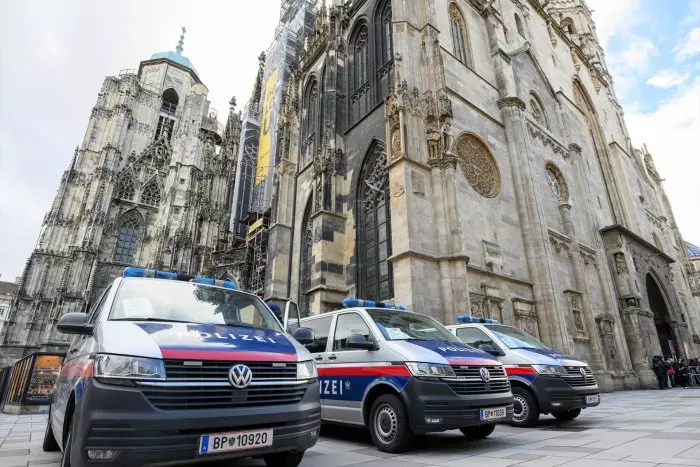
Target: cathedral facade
{"x":471,"y":157}
{"x":149,"y":186}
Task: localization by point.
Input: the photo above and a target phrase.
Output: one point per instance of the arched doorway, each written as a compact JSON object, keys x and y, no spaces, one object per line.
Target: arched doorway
{"x":661,"y":318}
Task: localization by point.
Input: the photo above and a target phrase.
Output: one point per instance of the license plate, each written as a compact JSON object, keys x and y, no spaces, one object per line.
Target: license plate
{"x":234,"y":441}
{"x":592,"y":399}
{"x":492,"y":414}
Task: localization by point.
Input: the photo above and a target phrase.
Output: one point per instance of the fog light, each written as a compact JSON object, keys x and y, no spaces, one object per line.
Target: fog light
{"x":556,"y":404}
{"x":102,"y":454}
{"x":432,"y":420}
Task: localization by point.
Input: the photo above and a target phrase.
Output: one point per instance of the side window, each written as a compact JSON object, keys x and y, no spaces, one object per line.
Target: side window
{"x":94,"y":312}
{"x":347,"y":325}
{"x":321,"y":328}
{"x":474,"y":337}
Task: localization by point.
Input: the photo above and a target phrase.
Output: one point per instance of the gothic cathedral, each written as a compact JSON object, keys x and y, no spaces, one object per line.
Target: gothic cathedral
{"x":471,"y":157}
{"x":149,"y":186}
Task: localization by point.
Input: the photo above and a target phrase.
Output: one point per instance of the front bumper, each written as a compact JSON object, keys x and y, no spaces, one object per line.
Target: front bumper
{"x":556,"y":395}
{"x":446,"y":410}
{"x":121,"y":418}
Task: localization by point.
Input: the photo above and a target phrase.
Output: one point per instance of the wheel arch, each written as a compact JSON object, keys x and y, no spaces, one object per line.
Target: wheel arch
{"x":374,"y":392}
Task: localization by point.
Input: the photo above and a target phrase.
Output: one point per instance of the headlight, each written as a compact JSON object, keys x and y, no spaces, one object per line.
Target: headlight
{"x":550,"y":370}
{"x":306,"y":370}
{"x":429,"y":369}
{"x":129,"y":368}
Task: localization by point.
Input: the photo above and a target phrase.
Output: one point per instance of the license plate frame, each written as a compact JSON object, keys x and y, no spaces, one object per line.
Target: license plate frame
{"x":243,"y":440}
{"x":593,"y":399}
{"x":493,"y":413}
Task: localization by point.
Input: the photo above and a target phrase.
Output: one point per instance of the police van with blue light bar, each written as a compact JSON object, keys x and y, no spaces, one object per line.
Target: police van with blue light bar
{"x":401,"y":373}
{"x":172,"y":369}
{"x":543,"y":381}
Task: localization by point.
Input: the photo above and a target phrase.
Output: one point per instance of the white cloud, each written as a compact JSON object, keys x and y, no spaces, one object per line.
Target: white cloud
{"x":672,"y":134}
{"x":690,"y":46}
{"x":637,"y":55}
{"x":618,"y":17}
{"x":666,"y":79}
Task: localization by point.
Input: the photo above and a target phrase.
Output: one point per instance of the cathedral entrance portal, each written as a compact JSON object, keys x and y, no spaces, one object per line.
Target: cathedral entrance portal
{"x":669,"y":346}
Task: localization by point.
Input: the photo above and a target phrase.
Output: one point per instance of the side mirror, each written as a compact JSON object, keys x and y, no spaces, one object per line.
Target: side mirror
{"x":74,"y":323}
{"x":304,"y":336}
{"x":488,"y":348}
{"x":358,"y":341}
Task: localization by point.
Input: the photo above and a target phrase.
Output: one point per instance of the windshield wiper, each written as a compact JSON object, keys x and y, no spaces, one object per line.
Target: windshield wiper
{"x":159,"y":320}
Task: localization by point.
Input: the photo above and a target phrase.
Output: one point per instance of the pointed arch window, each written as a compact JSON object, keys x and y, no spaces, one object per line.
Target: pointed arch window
{"x":127,"y":238}
{"x":125,"y":188}
{"x":385,"y":48}
{"x":306,"y":261}
{"x":537,"y":111}
{"x":460,"y":37}
{"x":170,"y":101}
{"x":360,"y":57}
{"x":375,"y":279}
{"x":310,"y":119}
{"x":150,"y":194}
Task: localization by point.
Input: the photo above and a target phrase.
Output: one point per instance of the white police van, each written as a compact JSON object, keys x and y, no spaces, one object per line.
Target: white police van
{"x":169,"y":369}
{"x":376,"y":360}
{"x":543,"y":380}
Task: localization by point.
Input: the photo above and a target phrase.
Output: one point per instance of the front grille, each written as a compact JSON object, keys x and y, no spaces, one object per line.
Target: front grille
{"x":575,"y":378}
{"x":192,"y":385}
{"x":186,"y":370}
{"x":469,"y":380}
{"x":192,"y":397}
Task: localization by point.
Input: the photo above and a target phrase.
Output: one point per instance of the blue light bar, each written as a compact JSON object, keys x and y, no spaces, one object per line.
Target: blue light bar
{"x":358,"y":302}
{"x":216,"y":282}
{"x":473,"y":319}
{"x":152,"y":273}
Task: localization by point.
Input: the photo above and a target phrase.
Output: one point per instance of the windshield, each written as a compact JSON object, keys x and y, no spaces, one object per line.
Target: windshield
{"x":178,"y":301}
{"x":402,"y":325}
{"x":514,"y":338}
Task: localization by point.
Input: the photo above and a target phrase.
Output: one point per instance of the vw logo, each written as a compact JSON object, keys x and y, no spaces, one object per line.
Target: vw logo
{"x":240,"y":376}
{"x":485,"y":375}
{"x":583,"y":371}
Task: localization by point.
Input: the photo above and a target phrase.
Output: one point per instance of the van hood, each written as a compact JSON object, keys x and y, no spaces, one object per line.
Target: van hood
{"x":187,"y":341}
{"x":443,"y":352}
{"x":547,"y":357}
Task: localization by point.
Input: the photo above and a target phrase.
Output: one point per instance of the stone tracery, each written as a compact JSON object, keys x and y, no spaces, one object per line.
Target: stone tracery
{"x":478,"y":165}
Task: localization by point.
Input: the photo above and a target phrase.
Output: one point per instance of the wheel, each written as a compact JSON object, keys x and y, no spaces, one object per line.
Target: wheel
{"x":50,"y":444}
{"x":284,"y":459}
{"x":567,"y":415}
{"x":388,"y":424}
{"x":477,"y":432}
{"x":525,"y":410}
{"x":65,"y":460}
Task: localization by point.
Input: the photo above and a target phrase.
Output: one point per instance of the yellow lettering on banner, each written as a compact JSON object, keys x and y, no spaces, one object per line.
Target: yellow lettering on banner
{"x":266,"y":129}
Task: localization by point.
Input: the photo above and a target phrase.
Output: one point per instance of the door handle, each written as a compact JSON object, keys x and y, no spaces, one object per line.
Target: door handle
{"x":318,"y":358}
{"x":332,"y":357}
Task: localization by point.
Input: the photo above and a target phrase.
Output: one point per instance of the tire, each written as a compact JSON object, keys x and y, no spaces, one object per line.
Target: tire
{"x":284,"y":459}
{"x":65,"y":460}
{"x":478,"y":432}
{"x":525,"y":409}
{"x":388,"y":424}
{"x":567,"y":415}
{"x":49,"y":444}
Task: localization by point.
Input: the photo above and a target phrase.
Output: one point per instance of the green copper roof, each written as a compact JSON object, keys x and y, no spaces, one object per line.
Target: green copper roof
{"x":177,"y":58}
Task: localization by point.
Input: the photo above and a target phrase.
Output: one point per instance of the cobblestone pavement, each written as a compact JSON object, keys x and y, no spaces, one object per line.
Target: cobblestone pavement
{"x":629,"y":429}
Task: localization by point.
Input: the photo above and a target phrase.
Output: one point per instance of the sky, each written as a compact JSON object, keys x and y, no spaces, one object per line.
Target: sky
{"x":54,"y":57}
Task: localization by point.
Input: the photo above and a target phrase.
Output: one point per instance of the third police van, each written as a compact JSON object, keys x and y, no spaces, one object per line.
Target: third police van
{"x":543,"y":380}
{"x":376,"y":360}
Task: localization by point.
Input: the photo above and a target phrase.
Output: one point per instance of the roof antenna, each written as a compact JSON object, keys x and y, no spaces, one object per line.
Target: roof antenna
{"x":180,"y":43}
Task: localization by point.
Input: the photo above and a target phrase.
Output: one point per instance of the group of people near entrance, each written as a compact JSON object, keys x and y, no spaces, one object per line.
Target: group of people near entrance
{"x":676,"y":372}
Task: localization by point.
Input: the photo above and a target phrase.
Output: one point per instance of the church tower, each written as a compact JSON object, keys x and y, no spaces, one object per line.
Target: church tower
{"x":149,"y":186}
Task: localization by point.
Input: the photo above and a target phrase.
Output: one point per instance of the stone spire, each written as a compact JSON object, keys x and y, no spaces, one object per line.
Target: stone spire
{"x":257,"y":90}
{"x":181,"y":42}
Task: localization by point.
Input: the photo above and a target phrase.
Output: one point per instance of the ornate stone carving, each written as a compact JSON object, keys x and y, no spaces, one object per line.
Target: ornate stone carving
{"x":526,"y":317}
{"x":538,"y":135}
{"x":511,"y":102}
{"x":376,"y":180}
{"x":576,"y":309}
{"x":478,"y":165}
{"x":560,"y":243}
